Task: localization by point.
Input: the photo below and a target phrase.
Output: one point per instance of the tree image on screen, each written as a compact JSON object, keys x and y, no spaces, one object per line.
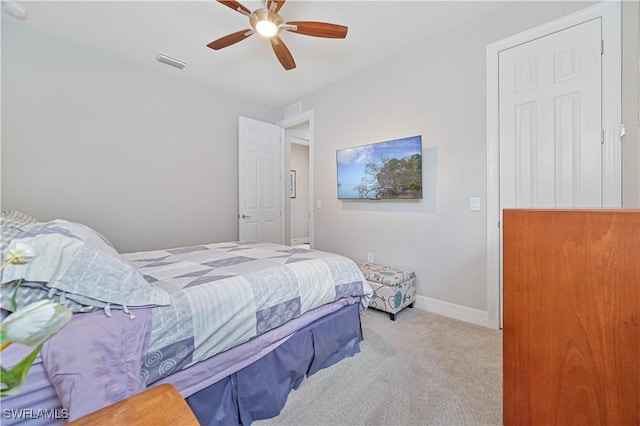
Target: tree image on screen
{"x":393,"y":178}
{"x":385,"y":170}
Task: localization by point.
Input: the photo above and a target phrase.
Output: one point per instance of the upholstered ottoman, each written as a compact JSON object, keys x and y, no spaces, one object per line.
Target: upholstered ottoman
{"x":393,"y":289}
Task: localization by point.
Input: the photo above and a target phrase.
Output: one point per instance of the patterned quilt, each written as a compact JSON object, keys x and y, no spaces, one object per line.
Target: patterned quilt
{"x":225,"y":294}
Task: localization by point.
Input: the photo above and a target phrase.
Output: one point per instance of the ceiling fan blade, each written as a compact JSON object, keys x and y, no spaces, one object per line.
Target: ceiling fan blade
{"x":283,"y":54}
{"x":279,"y":4}
{"x":230,"y":39}
{"x":319,"y":29}
{"x":234,"y":5}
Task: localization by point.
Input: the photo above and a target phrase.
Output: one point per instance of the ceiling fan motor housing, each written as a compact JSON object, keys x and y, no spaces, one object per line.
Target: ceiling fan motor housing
{"x":265,"y":15}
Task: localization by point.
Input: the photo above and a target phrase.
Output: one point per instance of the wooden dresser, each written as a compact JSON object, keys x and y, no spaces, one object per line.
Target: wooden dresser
{"x":157,"y":406}
{"x":571,"y":317}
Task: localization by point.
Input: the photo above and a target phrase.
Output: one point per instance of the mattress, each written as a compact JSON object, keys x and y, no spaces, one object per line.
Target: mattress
{"x":225,"y":294}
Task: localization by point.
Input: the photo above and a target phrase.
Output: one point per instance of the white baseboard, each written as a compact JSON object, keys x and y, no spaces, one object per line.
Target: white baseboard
{"x":463,"y":313}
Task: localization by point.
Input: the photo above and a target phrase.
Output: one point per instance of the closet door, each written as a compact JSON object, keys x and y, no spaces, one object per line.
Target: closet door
{"x":550,"y":120}
{"x":572,"y":317}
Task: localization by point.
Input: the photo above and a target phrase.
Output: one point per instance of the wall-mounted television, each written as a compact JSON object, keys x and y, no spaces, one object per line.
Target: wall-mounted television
{"x":383,"y":170}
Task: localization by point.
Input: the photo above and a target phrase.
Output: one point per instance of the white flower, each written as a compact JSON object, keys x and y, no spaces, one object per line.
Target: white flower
{"x":21,"y":253}
{"x":35,"y":323}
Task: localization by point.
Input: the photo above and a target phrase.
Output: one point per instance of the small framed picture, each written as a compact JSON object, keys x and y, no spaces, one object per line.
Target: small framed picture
{"x":292,"y":188}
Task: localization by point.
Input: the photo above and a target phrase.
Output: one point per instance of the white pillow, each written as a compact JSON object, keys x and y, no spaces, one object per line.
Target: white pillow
{"x":74,"y":259}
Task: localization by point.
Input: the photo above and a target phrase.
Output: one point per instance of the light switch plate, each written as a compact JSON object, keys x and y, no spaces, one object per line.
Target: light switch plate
{"x":474,"y":204}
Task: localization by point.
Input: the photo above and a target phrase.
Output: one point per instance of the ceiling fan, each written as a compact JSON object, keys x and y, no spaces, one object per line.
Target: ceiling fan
{"x":268,"y":23}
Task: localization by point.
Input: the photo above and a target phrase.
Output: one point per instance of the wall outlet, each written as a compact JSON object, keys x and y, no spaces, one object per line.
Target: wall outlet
{"x":370,"y":258}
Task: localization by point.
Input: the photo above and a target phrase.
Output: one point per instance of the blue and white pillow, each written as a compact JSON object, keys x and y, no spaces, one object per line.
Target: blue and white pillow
{"x":75,"y":262}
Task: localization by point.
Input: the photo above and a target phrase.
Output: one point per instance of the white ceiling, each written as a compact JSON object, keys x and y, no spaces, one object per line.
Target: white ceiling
{"x":137,"y":31}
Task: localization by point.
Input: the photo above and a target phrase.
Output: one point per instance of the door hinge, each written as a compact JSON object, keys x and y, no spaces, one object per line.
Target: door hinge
{"x":602,"y":47}
{"x":623,"y":131}
{"x":602,"y":137}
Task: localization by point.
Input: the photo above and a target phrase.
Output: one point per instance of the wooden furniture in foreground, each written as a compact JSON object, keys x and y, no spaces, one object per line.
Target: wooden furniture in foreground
{"x":160,"y":405}
{"x":571,"y":317}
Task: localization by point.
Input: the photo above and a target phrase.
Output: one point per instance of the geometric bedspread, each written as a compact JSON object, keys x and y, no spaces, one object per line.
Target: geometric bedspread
{"x":225,"y":294}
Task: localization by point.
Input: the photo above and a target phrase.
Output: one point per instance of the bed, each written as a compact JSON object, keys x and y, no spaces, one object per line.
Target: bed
{"x":235,"y":326}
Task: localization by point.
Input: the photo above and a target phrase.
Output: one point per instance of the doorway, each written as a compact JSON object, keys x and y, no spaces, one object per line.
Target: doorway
{"x":299,"y":192}
{"x":265,"y":179}
{"x":530,"y":124}
{"x":297,"y":134}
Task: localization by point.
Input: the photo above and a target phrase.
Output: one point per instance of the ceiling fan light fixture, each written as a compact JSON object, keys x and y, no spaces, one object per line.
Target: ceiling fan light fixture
{"x":265,"y":22}
{"x":266,"y":28}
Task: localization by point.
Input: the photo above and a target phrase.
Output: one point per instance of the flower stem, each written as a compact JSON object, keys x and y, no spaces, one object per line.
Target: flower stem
{"x":4,"y":345}
{"x":11,"y":259}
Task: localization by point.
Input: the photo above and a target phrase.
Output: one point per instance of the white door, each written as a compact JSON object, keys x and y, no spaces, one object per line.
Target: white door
{"x":259,"y":181}
{"x":550,"y":131}
{"x":550,"y":121}
{"x":553,"y":120}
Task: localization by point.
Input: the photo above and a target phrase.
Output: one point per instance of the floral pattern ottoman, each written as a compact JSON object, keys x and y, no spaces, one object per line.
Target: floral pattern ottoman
{"x":393,"y":289}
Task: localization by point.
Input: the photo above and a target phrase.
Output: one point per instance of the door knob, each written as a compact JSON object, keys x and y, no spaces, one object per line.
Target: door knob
{"x":244,"y":216}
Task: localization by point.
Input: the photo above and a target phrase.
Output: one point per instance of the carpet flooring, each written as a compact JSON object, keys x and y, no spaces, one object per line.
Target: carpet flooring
{"x":422,"y":369}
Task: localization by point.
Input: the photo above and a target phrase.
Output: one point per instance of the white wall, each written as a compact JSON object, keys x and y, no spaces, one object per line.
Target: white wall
{"x":437,"y":90}
{"x":138,"y":153}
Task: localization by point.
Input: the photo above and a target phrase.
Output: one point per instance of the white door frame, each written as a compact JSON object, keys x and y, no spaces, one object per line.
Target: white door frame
{"x":306,"y":116}
{"x":610,"y":13}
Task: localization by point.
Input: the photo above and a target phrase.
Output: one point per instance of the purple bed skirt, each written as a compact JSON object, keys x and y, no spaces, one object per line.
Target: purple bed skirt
{"x":260,"y":390}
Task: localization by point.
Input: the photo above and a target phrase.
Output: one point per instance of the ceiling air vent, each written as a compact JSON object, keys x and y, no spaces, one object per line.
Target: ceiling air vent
{"x":15,"y":9}
{"x":293,"y":110}
{"x":171,"y":61}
